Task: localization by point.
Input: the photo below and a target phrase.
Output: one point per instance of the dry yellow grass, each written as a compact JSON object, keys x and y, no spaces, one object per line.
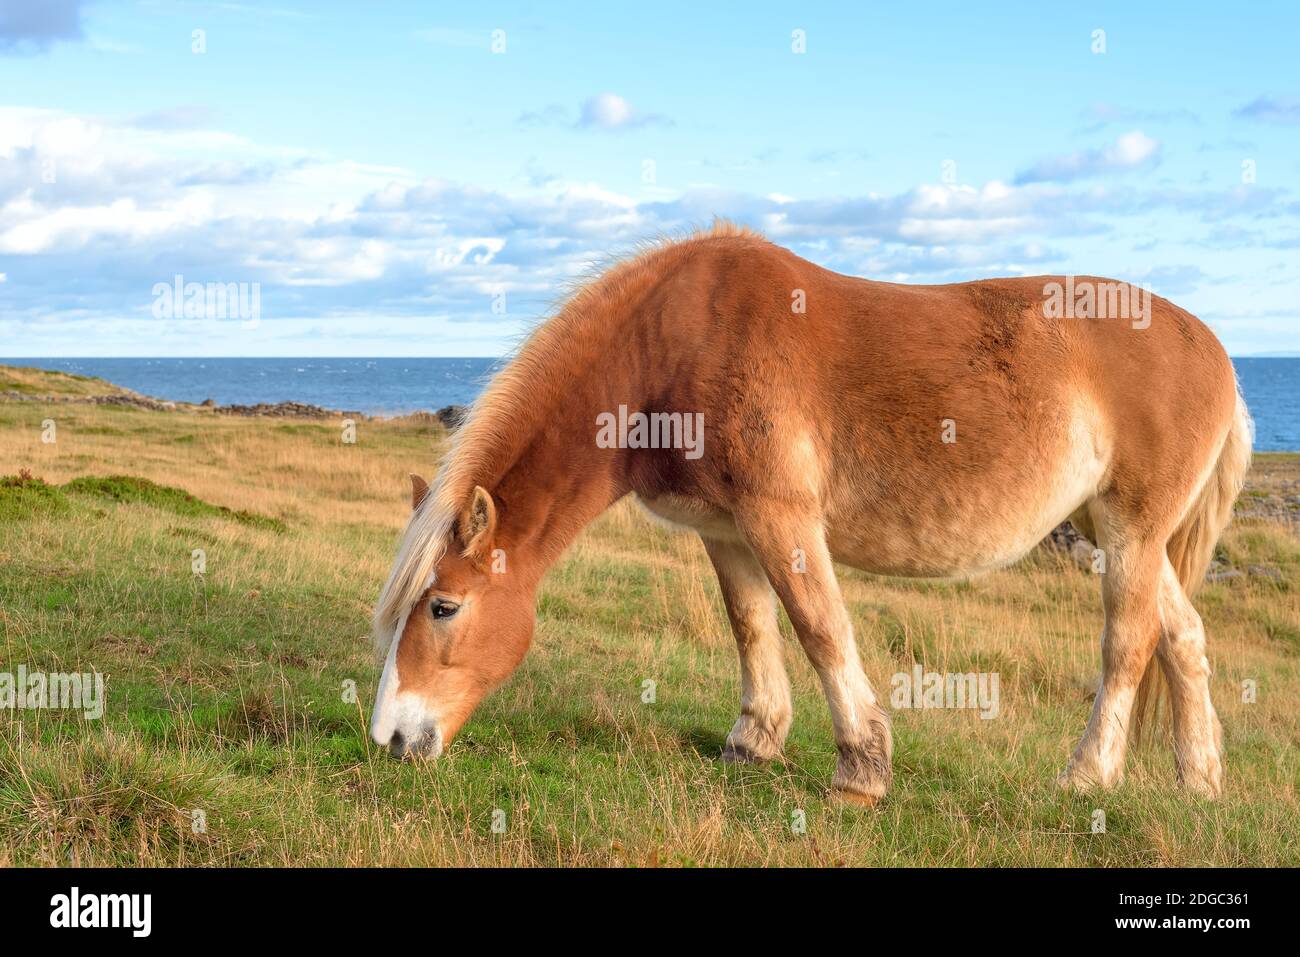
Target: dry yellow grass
{"x":27,"y":380}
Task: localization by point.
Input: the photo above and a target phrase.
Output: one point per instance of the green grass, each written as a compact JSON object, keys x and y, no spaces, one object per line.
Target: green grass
{"x":228,"y":691}
{"x":22,"y":498}
{"x":130,"y":489}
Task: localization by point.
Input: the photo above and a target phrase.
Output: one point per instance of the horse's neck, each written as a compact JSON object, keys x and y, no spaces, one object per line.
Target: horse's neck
{"x":548,"y":473}
{"x":560,"y":480}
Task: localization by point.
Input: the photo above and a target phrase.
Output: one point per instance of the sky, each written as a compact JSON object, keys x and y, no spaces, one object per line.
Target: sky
{"x":429,"y":179}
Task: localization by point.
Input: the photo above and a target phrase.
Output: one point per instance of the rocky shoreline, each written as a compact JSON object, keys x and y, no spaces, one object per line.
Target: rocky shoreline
{"x":122,"y":398}
{"x":450,"y":417}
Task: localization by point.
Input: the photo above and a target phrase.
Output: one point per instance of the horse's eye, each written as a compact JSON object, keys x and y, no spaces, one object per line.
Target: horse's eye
{"x":443,"y":609}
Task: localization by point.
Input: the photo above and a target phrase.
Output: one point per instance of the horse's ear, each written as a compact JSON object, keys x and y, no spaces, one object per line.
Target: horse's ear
{"x":478,"y":525}
{"x":419,"y":489}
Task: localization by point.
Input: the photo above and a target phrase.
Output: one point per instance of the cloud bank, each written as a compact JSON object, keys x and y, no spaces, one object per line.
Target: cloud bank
{"x":95,"y":211}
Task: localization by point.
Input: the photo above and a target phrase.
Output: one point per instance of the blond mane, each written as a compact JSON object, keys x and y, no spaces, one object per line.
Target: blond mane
{"x":518,"y":398}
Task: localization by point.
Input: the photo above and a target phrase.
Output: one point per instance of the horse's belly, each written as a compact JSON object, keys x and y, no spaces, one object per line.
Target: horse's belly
{"x":936,"y":523}
{"x":938,"y":550}
{"x":962,"y":526}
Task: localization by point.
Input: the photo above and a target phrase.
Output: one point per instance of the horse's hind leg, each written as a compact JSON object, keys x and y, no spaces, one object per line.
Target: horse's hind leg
{"x":1198,"y":737}
{"x":1130,"y":587}
{"x":791,"y":547}
{"x":765,"y":711}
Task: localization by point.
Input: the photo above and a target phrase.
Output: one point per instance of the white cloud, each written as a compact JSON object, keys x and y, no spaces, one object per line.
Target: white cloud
{"x":339,"y":243}
{"x":604,"y":112}
{"x":607,"y":110}
{"x":73,"y":227}
{"x":1130,"y":151}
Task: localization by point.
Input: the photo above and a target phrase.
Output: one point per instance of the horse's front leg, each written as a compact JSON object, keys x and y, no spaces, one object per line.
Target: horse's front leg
{"x":765,"y":711}
{"x":790,"y":544}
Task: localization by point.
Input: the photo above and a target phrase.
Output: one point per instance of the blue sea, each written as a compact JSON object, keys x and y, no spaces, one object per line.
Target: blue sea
{"x":396,"y":386}
{"x":372,"y":386}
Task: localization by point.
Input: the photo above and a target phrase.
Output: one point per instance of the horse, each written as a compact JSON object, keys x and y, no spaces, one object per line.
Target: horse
{"x":931,"y":431}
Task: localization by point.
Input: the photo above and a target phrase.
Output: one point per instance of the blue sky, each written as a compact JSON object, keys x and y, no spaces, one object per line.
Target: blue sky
{"x":426,"y":179}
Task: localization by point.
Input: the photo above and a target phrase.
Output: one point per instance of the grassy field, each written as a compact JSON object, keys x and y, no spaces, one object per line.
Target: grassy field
{"x":227,"y":690}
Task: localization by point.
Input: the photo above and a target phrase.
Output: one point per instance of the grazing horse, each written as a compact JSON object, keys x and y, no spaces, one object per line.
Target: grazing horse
{"x":926,"y":431}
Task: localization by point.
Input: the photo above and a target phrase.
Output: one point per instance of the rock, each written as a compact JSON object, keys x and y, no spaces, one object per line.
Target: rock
{"x":119,"y":398}
{"x":451,"y":416}
{"x":136,"y":401}
{"x":1264,"y":571}
{"x":285,"y":410}
{"x":297,"y":410}
{"x":1065,"y":538}
{"x":1268,"y":506}
{"x":1223,"y":574}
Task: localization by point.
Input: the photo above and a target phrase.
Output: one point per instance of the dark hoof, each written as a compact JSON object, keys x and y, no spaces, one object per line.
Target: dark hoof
{"x":733,"y":754}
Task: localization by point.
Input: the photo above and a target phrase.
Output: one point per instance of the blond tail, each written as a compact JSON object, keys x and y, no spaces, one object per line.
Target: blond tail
{"x":1192,"y":545}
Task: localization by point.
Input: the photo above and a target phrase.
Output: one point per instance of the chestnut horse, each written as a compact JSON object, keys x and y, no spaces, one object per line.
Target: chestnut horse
{"x":925,"y":431}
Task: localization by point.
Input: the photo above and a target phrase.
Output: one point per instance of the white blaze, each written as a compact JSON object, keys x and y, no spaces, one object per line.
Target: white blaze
{"x":405,"y":713}
{"x":384,"y":719}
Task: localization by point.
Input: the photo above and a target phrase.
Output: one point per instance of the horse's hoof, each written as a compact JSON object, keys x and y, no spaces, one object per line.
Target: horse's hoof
{"x":739,"y":754}
{"x":1205,"y":783}
{"x":854,"y":797}
{"x":1069,"y":783}
{"x":1077,"y":780}
{"x":755,"y":742}
{"x":863,"y":773}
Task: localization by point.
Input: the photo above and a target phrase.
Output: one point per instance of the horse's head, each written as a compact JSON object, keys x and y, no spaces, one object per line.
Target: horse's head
{"x":453,"y":641}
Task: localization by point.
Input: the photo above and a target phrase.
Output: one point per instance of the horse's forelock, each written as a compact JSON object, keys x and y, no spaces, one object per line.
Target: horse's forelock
{"x":423,"y":546}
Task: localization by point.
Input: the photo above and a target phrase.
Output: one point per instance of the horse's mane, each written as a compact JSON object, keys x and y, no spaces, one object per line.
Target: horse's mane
{"x":519,"y":397}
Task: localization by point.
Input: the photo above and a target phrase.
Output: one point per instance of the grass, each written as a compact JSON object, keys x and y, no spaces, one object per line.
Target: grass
{"x":128,"y":488}
{"x":229,"y":692}
{"x":47,"y":382}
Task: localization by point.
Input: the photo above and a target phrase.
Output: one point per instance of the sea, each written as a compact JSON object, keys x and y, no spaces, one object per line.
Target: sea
{"x":398,"y":386}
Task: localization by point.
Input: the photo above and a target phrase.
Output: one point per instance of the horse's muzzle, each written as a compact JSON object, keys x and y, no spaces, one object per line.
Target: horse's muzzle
{"x":425,"y":744}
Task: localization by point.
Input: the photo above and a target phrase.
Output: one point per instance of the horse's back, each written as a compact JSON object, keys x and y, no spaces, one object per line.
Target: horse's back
{"x":941,"y":429}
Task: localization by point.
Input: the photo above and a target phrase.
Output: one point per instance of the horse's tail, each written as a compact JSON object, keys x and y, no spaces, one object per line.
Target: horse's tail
{"x":1191,"y":546}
